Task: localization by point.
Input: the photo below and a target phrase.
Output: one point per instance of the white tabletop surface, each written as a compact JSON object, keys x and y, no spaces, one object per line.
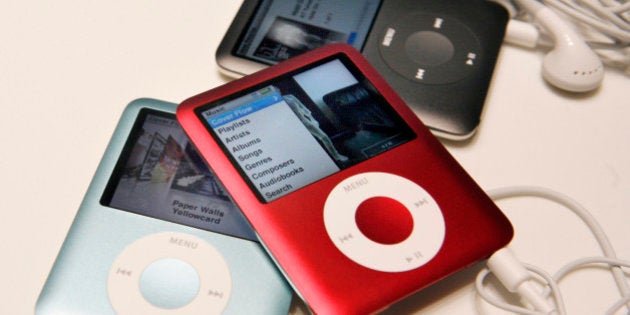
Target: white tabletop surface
{"x":68,"y":68}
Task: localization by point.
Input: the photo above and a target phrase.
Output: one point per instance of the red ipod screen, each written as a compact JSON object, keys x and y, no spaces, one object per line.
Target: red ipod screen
{"x":299,"y":128}
{"x":354,"y":198}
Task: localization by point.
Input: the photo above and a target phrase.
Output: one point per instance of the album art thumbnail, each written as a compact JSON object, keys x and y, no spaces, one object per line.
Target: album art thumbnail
{"x":288,"y":38}
{"x":193,"y":176}
{"x":155,"y":149}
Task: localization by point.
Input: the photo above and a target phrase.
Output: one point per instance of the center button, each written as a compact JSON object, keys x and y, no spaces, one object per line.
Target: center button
{"x":429,"y":48}
{"x":169,"y":283}
{"x":384,"y":220}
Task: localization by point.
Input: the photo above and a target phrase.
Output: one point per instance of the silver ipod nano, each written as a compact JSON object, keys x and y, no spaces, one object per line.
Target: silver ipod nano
{"x":157,"y":234}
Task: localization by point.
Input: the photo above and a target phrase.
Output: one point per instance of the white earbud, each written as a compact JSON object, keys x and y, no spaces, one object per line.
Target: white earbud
{"x":572,"y":65}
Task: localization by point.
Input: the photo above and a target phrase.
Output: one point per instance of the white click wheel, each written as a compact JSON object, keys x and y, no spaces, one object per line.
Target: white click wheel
{"x":384,"y":222}
{"x":169,"y":273}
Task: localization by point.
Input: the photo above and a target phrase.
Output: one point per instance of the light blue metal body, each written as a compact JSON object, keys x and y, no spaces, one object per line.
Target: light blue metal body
{"x":77,"y":283}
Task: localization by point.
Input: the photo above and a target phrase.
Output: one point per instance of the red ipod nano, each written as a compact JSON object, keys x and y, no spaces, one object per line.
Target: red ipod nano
{"x":354,"y":199}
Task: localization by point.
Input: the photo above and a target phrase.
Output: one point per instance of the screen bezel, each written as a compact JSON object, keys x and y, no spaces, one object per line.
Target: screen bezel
{"x":362,"y":79}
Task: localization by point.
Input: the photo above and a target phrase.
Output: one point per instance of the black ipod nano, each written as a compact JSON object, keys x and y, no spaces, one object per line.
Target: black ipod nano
{"x":438,"y":55}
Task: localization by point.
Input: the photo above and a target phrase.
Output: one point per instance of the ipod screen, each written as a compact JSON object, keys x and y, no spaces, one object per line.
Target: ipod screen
{"x":161,"y":175}
{"x":281,"y":29}
{"x":301,"y":127}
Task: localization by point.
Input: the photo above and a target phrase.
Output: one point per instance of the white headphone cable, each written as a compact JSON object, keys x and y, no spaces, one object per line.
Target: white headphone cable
{"x":517,"y":277}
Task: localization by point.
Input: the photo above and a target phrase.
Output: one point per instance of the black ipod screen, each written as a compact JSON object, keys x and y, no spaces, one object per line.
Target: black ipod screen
{"x":303,"y":126}
{"x":161,"y":175}
{"x":280,"y":29}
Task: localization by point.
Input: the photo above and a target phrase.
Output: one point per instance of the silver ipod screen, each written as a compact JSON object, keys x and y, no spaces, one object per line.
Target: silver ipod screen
{"x":161,"y":175}
{"x":298,"y":129}
{"x":282,"y":29}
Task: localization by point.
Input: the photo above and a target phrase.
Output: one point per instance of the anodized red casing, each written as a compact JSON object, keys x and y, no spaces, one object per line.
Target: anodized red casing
{"x":292,"y":227}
